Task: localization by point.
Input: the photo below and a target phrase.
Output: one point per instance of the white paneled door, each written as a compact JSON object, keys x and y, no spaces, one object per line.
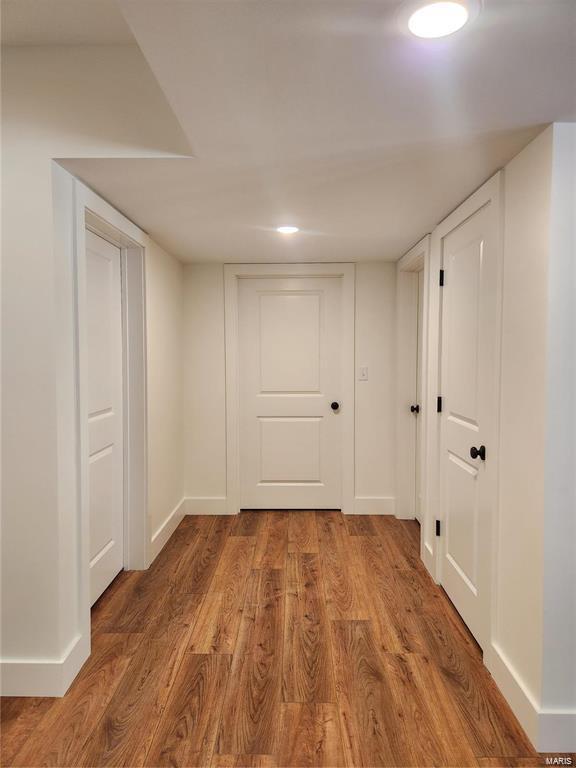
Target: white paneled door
{"x":290,"y":369}
{"x":469,"y":365}
{"x":106,"y":458}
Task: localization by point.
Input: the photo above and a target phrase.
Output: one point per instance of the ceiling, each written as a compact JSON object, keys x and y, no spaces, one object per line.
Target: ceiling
{"x":368,"y":206}
{"x":63,"y":22}
{"x":328,"y":115}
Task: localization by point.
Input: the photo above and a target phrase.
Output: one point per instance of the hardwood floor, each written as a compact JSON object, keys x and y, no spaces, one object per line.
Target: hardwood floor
{"x":275,"y":639}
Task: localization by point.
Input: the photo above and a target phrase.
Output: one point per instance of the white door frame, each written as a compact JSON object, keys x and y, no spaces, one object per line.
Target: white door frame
{"x":98,"y":216}
{"x":232,"y":274}
{"x":407,"y":268}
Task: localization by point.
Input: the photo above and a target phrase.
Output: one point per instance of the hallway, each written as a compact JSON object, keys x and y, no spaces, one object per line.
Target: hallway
{"x":275,"y":639}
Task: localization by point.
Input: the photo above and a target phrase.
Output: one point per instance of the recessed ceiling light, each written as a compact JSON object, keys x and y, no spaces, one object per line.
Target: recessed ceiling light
{"x":287,"y":230}
{"x":438,"y":19}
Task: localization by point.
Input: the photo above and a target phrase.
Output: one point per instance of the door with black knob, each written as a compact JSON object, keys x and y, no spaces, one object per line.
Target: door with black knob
{"x":469,"y":363}
{"x":291,"y":372}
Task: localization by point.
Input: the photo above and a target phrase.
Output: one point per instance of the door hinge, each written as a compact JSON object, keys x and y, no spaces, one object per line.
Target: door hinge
{"x":439,"y":404}
{"x":441,"y":280}
{"x":437,"y":527}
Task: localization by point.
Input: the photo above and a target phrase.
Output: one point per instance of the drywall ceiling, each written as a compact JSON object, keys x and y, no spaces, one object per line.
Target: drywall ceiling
{"x":328,"y":115}
{"x":63,"y":22}
{"x":367,"y":206}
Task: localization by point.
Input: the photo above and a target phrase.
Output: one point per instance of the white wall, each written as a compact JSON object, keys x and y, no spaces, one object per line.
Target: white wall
{"x":56,"y":102}
{"x":533,"y":643}
{"x":204,"y":385}
{"x":559,"y":661}
{"x":205,"y":440}
{"x":164,"y":359}
{"x":518,"y":592}
{"x":375,"y":446}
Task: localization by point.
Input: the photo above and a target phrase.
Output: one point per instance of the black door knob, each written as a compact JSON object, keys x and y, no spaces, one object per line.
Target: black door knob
{"x":478,"y":453}
{"x":415,"y":408}
{"x":335,"y":405}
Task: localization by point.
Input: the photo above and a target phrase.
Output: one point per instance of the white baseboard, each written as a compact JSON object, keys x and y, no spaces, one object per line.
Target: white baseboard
{"x":548,"y":730}
{"x":514,"y":690}
{"x":44,"y":677}
{"x":163,"y":533}
{"x":374,"y":505}
{"x":206,"y":505}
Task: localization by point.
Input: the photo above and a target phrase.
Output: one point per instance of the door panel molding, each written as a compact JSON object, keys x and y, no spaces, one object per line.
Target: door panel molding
{"x":233,"y":273}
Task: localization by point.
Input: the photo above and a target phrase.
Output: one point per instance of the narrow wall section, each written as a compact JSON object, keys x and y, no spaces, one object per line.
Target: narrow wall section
{"x":165,"y":348}
{"x":559,"y":641}
{"x":204,"y":388}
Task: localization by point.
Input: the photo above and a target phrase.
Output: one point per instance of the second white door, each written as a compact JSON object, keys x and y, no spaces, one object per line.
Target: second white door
{"x":470,"y":300}
{"x":106,"y":456}
{"x":290,"y":367}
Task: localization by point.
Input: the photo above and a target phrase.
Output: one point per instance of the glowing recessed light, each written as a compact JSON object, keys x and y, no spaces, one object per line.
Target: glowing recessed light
{"x":287,"y":230}
{"x":438,"y":19}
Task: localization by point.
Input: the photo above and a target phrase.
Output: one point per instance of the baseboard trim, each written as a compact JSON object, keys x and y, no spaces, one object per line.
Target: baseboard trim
{"x":44,"y":677}
{"x":548,"y":730}
{"x":374,"y":505}
{"x":514,"y":690}
{"x":206,"y":505}
{"x":163,"y":533}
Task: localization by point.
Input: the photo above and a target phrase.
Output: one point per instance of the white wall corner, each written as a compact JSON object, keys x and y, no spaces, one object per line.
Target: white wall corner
{"x":374,"y":505}
{"x":206,"y":505}
{"x":556,"y":731}
{"x":515,"y":691}
{"x":549,"y":730}
{"x":44,"y":677}
{"x":161,"y":536}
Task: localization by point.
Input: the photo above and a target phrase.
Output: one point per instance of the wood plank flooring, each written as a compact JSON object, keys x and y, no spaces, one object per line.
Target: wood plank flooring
{"x":275,"y":639}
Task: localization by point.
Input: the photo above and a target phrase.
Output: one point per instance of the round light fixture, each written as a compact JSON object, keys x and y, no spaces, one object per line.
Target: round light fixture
{"x":438,"y":19}
{"x":287,"y":230}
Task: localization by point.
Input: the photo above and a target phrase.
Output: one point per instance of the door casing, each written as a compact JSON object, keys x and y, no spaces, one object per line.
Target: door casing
{"x":94,"y":214}
{"x":232,"y":274}
{"x":414,"y":265}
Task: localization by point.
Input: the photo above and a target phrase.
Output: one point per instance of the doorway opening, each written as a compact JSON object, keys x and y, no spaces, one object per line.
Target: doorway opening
{"x":111,"y":392}
{"x":411,"y":352}
{"x":105,"y":407}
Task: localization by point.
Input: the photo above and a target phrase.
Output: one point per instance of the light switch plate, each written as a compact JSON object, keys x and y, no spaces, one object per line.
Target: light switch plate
{"x":363,"y":373}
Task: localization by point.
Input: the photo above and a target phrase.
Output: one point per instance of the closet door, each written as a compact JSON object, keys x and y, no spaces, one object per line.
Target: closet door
{"x":106,"y":455}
